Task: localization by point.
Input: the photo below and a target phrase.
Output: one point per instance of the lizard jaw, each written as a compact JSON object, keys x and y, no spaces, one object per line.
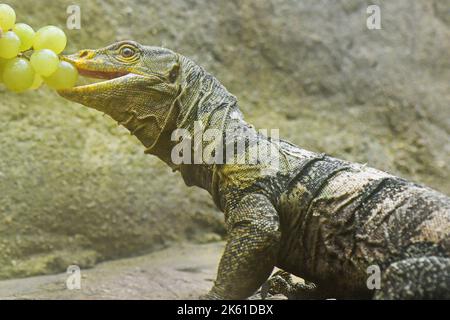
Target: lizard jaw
{"x":95,"y":74}
{"x":98,"y":86}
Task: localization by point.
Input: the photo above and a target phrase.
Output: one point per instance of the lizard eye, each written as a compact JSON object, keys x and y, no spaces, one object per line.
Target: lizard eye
{"x":127,"y":52}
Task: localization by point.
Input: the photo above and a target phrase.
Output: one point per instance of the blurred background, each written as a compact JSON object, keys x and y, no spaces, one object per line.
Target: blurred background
{"x":77,"y":189}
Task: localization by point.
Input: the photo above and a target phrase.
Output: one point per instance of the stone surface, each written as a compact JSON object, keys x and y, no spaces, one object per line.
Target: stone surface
{"x":76,"y":189}
{"x":180,"y":272}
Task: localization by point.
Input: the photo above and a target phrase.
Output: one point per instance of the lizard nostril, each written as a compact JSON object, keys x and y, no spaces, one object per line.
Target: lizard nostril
{"x":83,"y":54}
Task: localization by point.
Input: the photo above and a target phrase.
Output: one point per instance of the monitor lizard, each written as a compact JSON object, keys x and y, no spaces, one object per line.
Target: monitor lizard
{"x":309,"y":214}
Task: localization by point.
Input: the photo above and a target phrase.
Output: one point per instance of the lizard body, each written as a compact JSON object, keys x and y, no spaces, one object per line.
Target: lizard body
{"x":321,"y":218}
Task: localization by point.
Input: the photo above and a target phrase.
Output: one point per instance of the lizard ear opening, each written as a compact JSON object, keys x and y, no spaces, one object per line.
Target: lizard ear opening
{"x":174,"y":72}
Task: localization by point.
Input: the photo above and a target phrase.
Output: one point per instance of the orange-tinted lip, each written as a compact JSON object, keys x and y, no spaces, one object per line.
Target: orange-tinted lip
{"x":100,"y":74}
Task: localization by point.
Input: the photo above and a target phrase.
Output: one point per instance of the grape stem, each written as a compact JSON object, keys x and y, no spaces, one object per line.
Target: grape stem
{"x":26,"y":54}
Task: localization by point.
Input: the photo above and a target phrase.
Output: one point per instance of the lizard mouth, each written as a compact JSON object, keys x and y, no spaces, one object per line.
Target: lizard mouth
{"x":95,"y":79}
{"x":106,"y":75}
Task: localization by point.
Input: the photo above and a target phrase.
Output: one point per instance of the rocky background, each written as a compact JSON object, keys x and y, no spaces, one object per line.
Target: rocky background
{"x":76,"y":189}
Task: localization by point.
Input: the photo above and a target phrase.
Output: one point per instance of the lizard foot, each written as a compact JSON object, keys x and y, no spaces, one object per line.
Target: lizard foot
{"x":282,"y":282}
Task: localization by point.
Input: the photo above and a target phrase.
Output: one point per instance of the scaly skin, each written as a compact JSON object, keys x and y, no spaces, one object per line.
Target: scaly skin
{"x":314,"y":216}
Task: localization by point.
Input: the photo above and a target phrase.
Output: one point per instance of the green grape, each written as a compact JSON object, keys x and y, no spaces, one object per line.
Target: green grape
{"x":26,"y":35}
{"x":18,"y":75}
{"x":7,"y":17}
{"x":50,"y":37}
{"x":64,"y":77}
{"x":37,"y":82}
{"x":9,"y":45}
{"x":44,"y":62}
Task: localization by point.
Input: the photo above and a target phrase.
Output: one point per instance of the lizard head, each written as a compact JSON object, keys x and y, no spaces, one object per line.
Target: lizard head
{"x":139,"y":90}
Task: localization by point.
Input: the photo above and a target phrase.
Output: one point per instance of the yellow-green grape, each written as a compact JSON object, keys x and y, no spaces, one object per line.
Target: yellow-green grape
{"x":9,"y":45}
{"x":7,"y":17}
{"x":50,"y":37}
{"x":37,"y":82}
{"x":64,"y":77}
{"x":18,"y":75}
{"x":44,"y":62}
{"x":25,"y":34}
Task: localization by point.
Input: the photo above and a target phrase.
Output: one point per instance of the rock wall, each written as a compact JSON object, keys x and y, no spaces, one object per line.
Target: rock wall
{"x":75,"y":188}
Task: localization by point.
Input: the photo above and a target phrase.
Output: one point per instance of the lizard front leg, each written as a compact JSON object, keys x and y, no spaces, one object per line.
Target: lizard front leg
{"x":251,"y":251}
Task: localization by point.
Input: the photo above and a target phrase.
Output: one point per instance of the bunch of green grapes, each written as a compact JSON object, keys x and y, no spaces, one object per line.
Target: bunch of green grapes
{"x":29,"y":58}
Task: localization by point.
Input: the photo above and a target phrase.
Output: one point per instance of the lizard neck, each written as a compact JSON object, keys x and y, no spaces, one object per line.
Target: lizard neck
{"x":204,"y":105}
